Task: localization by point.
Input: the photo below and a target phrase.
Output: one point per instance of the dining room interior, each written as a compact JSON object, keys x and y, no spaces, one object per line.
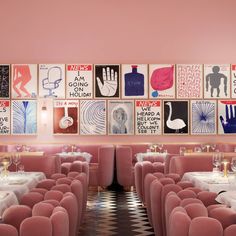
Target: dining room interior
{"x":117,"y":117}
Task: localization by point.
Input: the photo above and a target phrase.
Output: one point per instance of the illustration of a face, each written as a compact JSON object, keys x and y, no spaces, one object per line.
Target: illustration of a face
{"x":120,"y":116}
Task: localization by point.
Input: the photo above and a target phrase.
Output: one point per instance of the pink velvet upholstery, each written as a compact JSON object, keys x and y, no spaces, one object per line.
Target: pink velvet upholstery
{"x":46,"y":184}
{"x":64,"y":180}
{"x":42,"y":209}
{"x":60,"y":223}
{"x":31,"y":198}
{"x":185,"y":184}
{"x":208,"y":198}
{"x":226,"y":216}
{"x":195,"y":210}
{"x":53,"y":194}
{"x":205,"y":226}
{"x":101,"y":174}
{"x":57,"y":176}
{"x":182,"y":164}
{"x":230,"y":230}
{"x":124,"y":166}
{"x":36,"y":226}
{"x":185,"y":193}
{"x":8,"y":230}
{"x":15,"y":214}
{"x":39,"y":190}
{"x":187,"y":201}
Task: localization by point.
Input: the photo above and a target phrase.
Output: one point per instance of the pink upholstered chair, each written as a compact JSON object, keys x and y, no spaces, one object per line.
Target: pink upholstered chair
{"x":101,"y":174}
{"x":226,"y":216}
{"x":230,"y":230}
{"x":185,"y":193}
{"x":31,"y":198}
{"x":205,"y":226}
{"x":195,"y":210}
{"x":64,"y":188}
{"x":208,"y":198}
{"x":39,"y":190}
{"x":46,"y":184}
{"x":54,"y":194}
{"x":37,"y":226}
{"x":15,"y":214}
{"x":42,"y":209}
{"x":57,"y":176}
{"x":64,"y":180}
{"x":8,"y":230}
{"x":124,"y":166}
{"x":185,"y":184}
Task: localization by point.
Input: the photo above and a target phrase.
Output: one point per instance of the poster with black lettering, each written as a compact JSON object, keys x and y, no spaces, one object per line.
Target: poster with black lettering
{"x":4,"y":81}
{"x":79,"y":81}
{"x":148,"y":117}
{"x":233,"y":81}
{"x":52,"y":80}
{"x":65,"y":116}
{"x":176,"y":119}
{"x":134,"y":80}
{"x":5,"y":117}
{"x":107,"y":81}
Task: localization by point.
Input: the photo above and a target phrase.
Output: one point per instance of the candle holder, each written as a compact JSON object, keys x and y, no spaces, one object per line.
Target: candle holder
{"x":225,"y":163}
{"x":6,"y":163}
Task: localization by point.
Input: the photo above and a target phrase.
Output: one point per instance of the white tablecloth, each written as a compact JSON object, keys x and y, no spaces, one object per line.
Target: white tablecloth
{"x":211,"y":181}
{"x":20,"y":183}
{"x":140,"y":156}
{"x":7,"y":198}
{"x":228,"y":198}
{"x":87,"y":156}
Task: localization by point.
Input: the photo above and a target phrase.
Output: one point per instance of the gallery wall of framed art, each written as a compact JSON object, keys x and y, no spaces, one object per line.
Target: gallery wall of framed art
{"x":119,"y":99}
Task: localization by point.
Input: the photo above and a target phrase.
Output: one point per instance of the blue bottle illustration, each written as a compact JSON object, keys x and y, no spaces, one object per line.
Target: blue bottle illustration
{"x":134,"y":83}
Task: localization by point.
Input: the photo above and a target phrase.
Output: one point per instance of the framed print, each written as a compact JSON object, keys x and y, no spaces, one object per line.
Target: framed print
{"x":203,"y":117}
{"x":134,"y":81}
{"x":52,"y":80}
{"x":4,"y":81}
{"x":189,"y":81}
{"x":176,"y":119}
{"x":65,"y":116}
{"x":120,"y":117}
{"x":226,"y":116}
{"x":79,"y":81}
{"x":148,"y":117}
{"x":92,"y":117}
{"x":24,"y":116}
{"x":233,"y":81}
{"x":107,"y":81}
{"x":217,"y":81}
{"x":161,"y":81}
{"x":24,"y":80}
{"x":5,"y":117}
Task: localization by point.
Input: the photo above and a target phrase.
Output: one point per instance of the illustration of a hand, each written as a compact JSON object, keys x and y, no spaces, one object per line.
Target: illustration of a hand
{"x":229,"y":123}
{"x":110,"y":82}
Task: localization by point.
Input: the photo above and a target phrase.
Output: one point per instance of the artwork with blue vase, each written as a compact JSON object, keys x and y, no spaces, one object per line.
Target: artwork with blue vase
{"x":24,"y":116}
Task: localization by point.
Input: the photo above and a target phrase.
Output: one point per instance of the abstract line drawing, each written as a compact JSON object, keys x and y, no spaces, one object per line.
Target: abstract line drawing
{"x":217,"y":81}
{"x":24,"y":117}
{"x":93,"y":117}
{"x":24,"y":80}
{"x":203,"y":117}
{"x":227,"y":117}
{"x":4,"y":81}
{"x":175,"y":124}
{"x":189,"y":81}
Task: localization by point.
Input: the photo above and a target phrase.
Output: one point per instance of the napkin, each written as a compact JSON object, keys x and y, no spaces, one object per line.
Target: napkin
{"x":17,"y":182}
{"x":3,"y":195}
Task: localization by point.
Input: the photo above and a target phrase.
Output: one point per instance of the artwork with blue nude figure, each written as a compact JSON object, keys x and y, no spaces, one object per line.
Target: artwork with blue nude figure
{"x":108,"y":84}
{"x":214,"y":79}
{"x":229,"y":122}
{"x":134,"y":82}
{"x":162,"y":79}
{"x":120,"y":117}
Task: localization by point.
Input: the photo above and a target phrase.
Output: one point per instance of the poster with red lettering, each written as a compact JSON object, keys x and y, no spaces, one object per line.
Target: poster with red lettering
{"x":79,"y":81}
{"x":24,"y":81}
{"x":148,"y":117}
{"x":65,"y":116}
{"x":5,"y":117}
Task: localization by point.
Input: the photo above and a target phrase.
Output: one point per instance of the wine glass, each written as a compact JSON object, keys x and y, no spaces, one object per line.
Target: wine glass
{"x":16,"y":160}
{"x":213,"y":147}
{"x":18,"y":147}
{"x":233,"y":164}
{"x":182,"y":150}
{"x":216,"y":160}
{"x":155,"y":147}
{"x":65,"y":148}
{"x":203,"y":146}
{"x":160,"y":146}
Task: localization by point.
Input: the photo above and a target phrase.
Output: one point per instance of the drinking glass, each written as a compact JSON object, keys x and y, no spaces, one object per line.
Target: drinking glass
{"x":16,"y":160}
{"x":213,"y":147}
{"x":233,"y":164}
{"x":216,"y":160}
{"x":21,"y":168}
{"x":182,"y":150}
{"x":160,"y":146}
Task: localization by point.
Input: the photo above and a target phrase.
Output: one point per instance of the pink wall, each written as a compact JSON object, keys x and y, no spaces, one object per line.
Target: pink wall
{"x":109,"y":31}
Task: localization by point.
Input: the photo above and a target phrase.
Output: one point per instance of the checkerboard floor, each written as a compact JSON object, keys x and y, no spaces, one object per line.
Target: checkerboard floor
{"x":115,"y":213}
